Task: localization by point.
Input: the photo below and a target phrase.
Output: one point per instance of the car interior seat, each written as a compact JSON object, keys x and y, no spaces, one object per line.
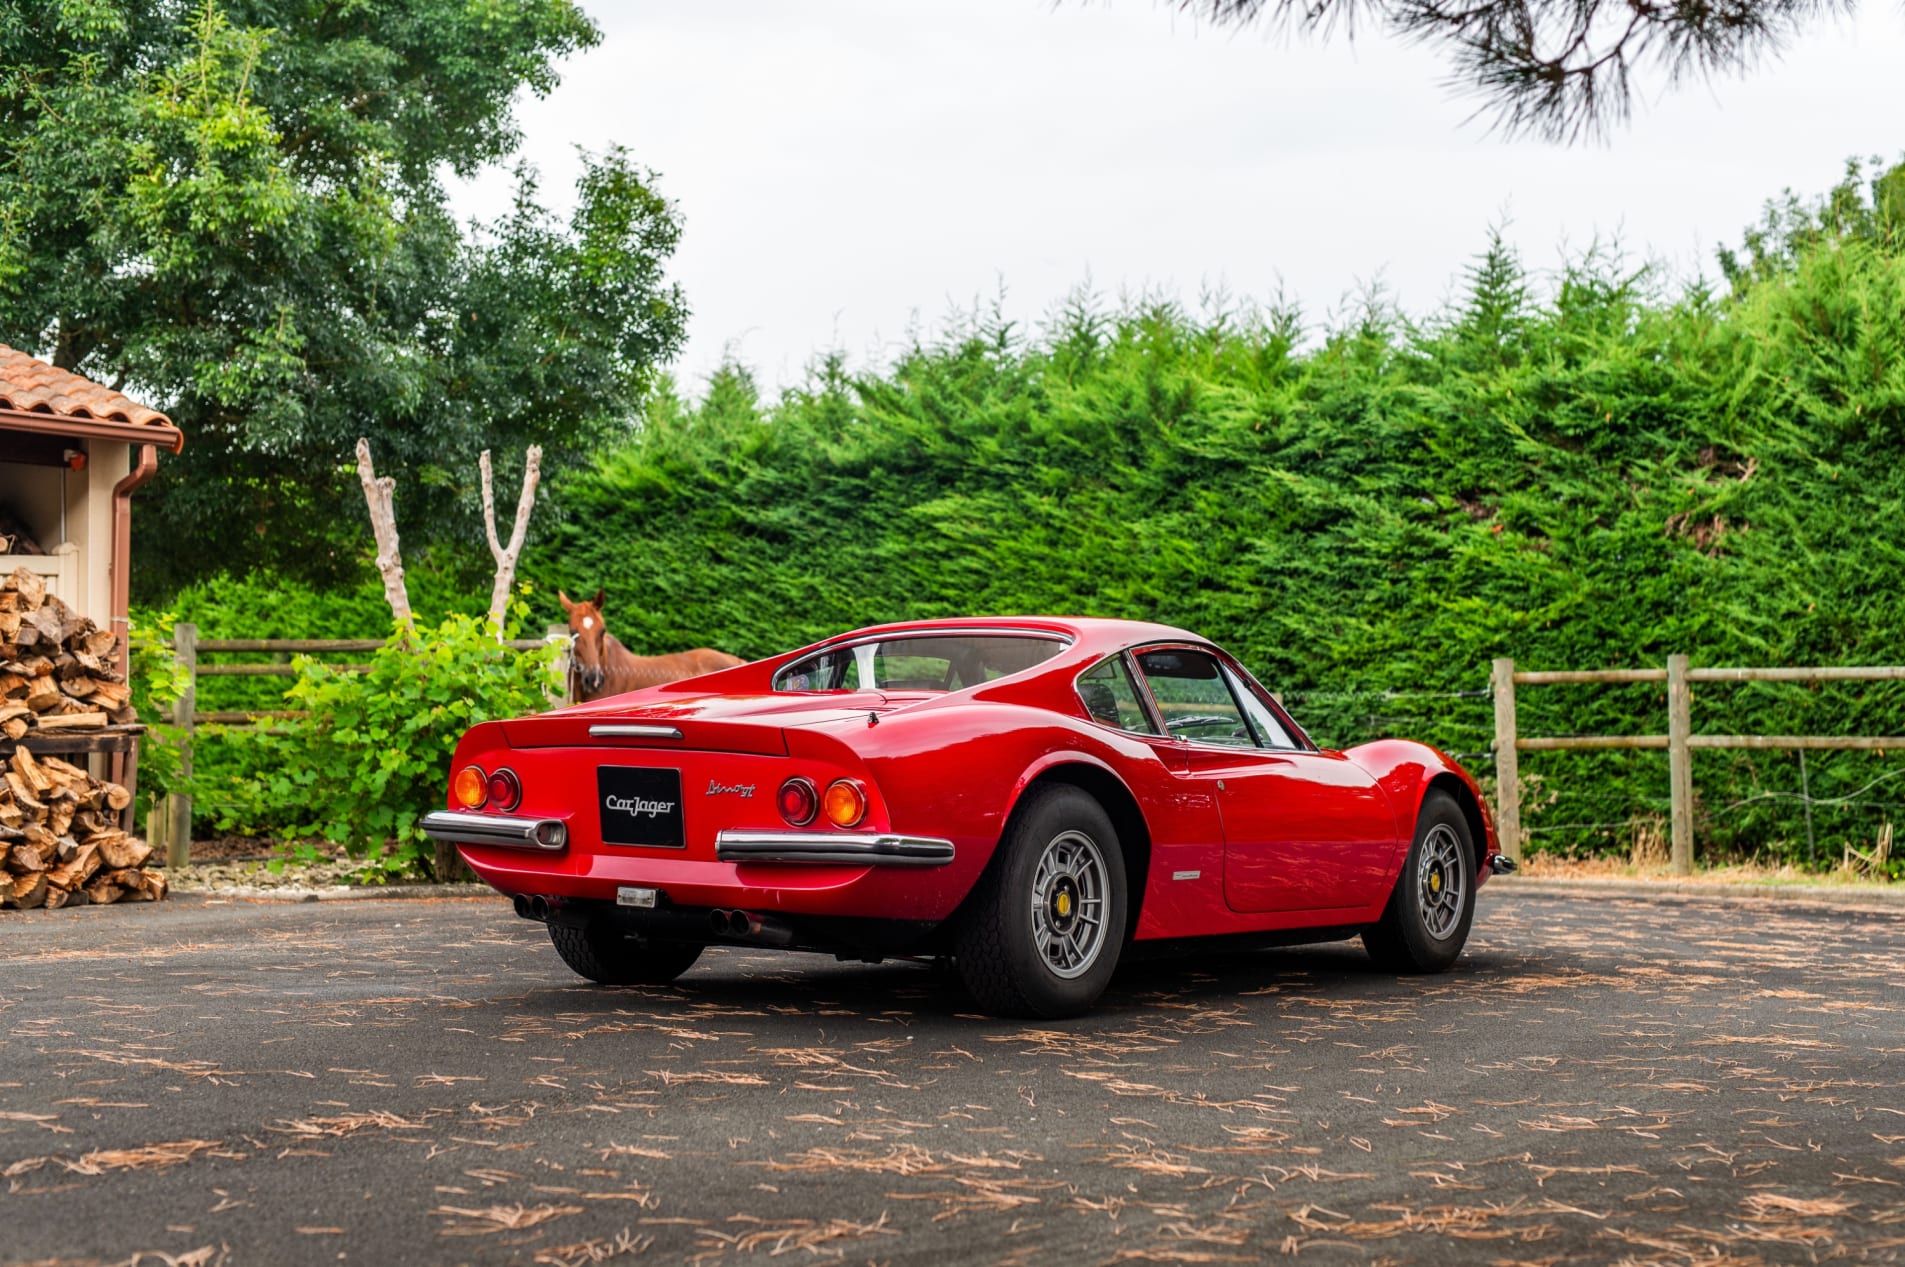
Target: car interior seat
{"x":1099,"y":701}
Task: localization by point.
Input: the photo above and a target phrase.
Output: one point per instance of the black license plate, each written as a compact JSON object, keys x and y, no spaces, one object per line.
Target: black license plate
{"x":640,"y":806}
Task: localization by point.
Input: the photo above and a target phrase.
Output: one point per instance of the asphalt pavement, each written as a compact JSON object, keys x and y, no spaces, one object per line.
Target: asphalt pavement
{"x":1598,"y":1081}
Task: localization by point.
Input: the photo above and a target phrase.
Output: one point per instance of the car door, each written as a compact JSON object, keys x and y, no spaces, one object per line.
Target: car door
{"x":1303,"y":829}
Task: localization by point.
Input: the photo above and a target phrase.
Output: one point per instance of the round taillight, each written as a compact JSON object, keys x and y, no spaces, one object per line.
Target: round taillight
{"x":845,"y":804}
{"x":470,"y":788}
{"x":799,"y":802}
{"x":504,"y":789}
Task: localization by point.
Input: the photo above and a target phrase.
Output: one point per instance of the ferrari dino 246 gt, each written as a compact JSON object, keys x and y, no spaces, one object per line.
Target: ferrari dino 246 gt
{"x":1030,"y":796}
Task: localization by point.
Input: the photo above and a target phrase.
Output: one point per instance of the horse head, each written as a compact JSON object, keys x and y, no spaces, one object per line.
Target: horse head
{"x":588,"y":650}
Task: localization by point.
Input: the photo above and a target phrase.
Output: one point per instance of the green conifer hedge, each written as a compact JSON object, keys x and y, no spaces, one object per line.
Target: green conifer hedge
{"x":1577,"y":471}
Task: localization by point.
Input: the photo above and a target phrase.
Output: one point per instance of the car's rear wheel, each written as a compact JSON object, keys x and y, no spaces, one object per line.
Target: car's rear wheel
{"x":606,"y":955}
{"x":1427,"y":920}
{"x":1044,"y":927}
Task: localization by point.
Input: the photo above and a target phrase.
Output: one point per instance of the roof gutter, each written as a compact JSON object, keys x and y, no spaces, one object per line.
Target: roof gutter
{"x":145,"y":433}
{"x":121,"y":566}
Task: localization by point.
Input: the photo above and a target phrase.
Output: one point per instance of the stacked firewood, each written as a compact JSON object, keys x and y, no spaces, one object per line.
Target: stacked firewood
{"x":60,"y":840}
{"x":56,"y":668}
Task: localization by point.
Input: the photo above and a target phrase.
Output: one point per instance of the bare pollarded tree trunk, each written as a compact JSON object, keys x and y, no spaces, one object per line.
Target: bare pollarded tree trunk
{"x":506,"y":556}
{"x":383,"y":522}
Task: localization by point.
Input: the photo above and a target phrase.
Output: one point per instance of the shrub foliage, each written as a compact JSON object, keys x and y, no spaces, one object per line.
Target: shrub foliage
{"x":373,"y":754}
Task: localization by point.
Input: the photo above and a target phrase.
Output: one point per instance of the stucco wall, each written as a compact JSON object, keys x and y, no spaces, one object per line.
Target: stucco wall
{"x":37,"y":495}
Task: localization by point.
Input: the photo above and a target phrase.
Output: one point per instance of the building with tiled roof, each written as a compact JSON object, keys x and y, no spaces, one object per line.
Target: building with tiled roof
{"x":71,"y":453}
{"x":29,"y":385}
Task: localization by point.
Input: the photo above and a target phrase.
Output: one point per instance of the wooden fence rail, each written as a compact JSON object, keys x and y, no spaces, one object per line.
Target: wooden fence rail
{"x":306,"y":645}
{"x":187,"y":647}
{"x":1680,"y":742}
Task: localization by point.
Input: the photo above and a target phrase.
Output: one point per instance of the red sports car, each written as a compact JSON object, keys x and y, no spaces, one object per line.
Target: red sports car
{"x":1029,"y":795}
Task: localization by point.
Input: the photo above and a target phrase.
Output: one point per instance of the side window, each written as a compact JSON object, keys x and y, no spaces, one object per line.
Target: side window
{"x":1111,"y":697}
{"x":1194,"y":698}
{"x":1271,"y":733}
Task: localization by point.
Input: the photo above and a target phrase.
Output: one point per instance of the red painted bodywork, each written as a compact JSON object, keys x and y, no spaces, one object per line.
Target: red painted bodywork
{"x":1276,"y":839}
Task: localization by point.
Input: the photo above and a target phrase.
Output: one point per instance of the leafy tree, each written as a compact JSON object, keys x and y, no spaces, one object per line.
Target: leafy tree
{"x":1558,"y":68}
{"x":234,"y":208}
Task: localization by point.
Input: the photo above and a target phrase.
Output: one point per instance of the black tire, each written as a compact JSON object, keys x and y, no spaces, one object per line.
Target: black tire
{"x":1424,"y":927}
{"x":998,"y":951}
{"x":606,"y":955}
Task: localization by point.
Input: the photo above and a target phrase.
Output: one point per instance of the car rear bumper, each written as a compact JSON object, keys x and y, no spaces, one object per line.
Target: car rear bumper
{"x":545,"y":835}
{"x":885,"y":849}
{"x":863,"y":885}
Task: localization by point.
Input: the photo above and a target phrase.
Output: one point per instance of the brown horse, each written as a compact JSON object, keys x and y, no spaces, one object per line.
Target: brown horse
{"x":602,"y":666}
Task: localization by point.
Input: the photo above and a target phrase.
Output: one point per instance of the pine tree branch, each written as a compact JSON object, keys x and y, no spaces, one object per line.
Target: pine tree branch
{"x":1560,"y":69}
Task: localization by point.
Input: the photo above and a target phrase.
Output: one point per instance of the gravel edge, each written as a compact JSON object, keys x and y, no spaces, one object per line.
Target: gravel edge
{"x":334,"y":893}
{"x":1888,"y":899}
{"x":1676,"y":890}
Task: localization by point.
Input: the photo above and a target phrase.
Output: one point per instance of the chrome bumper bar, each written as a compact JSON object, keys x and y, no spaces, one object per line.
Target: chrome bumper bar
{"x":849,"y":848}
{"x":550,"y":835}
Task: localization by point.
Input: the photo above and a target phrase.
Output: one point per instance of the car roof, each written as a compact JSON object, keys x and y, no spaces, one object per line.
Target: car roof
{"x":1088,"y":633}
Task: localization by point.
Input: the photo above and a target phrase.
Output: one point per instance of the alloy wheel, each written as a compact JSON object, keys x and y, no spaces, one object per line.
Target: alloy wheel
{"x":1441,"y":882}
{"x":1069,"y":886}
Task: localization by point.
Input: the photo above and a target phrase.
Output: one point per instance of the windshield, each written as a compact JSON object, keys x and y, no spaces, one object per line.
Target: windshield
{"x":939,"y":662}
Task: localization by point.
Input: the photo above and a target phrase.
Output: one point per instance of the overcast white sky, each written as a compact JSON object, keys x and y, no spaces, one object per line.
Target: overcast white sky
{"x":849,"y":168}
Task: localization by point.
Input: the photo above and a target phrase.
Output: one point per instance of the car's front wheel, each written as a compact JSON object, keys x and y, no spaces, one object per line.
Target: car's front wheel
{"x":1426,"y":922}
{"x":1044,"y":927}
{"x":606,"y":955}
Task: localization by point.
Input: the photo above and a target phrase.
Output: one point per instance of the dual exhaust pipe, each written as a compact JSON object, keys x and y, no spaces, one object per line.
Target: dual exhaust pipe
{"x":734,"y":925}
{"x":747,"y":926}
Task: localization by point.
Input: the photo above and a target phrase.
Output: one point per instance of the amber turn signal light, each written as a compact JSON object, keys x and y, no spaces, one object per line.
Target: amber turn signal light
{"x":470,"y":788}
{"x":845,"y":804}
{"x":798,"y":802}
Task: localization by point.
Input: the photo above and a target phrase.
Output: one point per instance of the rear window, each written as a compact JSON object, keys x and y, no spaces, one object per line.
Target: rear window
{"x":939,"y":662}
{"x":1110,"y":697}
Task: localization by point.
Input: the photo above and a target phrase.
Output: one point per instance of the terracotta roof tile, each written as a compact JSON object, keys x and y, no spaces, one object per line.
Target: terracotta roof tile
{"x":30,"y":385}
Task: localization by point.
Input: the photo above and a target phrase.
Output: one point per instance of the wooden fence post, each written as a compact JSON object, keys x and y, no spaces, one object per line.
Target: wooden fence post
{"x":1805,"y":799}
{"x":1680,"y":762}
{"x":178,"y":843}
{"x":157,"y":807}
{"x":1507,"y":762}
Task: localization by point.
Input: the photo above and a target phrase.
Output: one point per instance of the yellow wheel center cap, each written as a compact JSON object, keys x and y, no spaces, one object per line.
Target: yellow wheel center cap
{"x":1435,"y":881}
{"x":1064,"y":905}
